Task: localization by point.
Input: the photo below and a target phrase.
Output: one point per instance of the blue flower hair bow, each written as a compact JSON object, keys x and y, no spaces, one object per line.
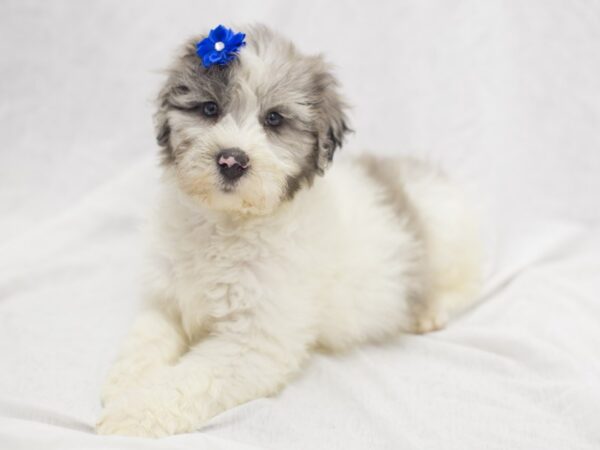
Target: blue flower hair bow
{"x":220,"y":47}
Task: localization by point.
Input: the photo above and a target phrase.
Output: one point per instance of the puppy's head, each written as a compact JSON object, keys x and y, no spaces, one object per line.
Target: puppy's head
{"x":246,"y":136}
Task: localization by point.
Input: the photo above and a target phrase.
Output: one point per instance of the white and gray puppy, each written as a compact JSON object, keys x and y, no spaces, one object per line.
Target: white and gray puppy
{"x":256,"y":259}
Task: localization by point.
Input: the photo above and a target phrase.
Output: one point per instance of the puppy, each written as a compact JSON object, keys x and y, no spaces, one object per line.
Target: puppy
{"x":261,"y":254}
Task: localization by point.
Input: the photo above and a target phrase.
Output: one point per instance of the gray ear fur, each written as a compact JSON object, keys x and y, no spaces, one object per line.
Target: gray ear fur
{"x":180,"y":75}
{"x":162,"y":127}
{"x":331,"y":122}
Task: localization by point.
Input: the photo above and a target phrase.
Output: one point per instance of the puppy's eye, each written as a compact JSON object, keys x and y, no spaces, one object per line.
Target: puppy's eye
{"x":273,"y":119}
{"x":210,"y":109}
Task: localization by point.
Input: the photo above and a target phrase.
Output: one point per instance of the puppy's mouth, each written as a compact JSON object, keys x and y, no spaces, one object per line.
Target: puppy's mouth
{"x":227,"y":188}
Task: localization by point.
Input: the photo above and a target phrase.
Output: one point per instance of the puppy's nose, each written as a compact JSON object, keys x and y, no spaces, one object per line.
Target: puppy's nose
{"x":232,"y":163}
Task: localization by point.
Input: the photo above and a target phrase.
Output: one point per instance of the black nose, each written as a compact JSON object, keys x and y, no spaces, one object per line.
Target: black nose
{"x":232,"y":163}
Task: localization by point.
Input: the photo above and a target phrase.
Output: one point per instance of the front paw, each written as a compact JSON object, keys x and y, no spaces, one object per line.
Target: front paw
{"x":146,"y":413}
{"x":112,"y":390}
{"x":125,"y":376}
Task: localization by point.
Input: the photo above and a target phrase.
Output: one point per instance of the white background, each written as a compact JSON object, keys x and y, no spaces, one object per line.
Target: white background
{"x":504,"y":94}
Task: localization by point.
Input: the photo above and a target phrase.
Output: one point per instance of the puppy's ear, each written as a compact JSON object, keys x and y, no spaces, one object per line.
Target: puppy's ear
{"x":162,"y":127}
{"x":331,"y":120}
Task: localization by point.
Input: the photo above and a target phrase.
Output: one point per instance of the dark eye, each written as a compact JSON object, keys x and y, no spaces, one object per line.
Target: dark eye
{"x":210,"y":109}
{"x":273,"y":119}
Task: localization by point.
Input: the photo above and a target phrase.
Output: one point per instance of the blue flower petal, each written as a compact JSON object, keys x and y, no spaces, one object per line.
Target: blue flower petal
{"x":215,"y":57}
{"x":204,"y":46}
{"x":206,"y":60}
{"x":219,"y":34}
{"x":237,"y":39}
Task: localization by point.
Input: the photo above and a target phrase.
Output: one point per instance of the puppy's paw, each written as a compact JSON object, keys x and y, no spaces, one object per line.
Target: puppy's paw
{"x":112,"y":389}
{"x":145,"y":413}
{"x":432,"y":319}
{"x":123,"y":377}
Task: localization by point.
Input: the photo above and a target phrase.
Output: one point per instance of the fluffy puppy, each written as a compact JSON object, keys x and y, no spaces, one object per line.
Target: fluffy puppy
{"x":257,"y":259}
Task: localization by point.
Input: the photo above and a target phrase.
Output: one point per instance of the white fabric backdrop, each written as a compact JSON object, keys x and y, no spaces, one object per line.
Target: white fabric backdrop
{"x":504,"y":94}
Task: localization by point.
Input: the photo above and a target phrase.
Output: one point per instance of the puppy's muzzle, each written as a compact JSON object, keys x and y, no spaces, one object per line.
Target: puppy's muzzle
{"x":232,"y":163}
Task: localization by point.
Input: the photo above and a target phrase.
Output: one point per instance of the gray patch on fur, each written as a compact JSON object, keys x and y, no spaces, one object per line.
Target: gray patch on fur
{"x":188,"y":85}
{"x":303,"y":178}
{"x":387,"y":172}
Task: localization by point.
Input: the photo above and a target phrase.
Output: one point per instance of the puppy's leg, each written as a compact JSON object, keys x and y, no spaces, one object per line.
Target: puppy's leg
{"x":155,"y":341}
{"x":453,"y":252}
{"x":224,"y":370}
{"x":438,"y":215}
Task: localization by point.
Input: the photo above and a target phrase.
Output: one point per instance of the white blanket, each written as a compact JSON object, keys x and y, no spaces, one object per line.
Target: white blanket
{"x":504,"y":94}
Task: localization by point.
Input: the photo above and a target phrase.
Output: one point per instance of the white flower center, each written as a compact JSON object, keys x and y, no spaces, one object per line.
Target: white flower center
{"x":219,"y":46}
